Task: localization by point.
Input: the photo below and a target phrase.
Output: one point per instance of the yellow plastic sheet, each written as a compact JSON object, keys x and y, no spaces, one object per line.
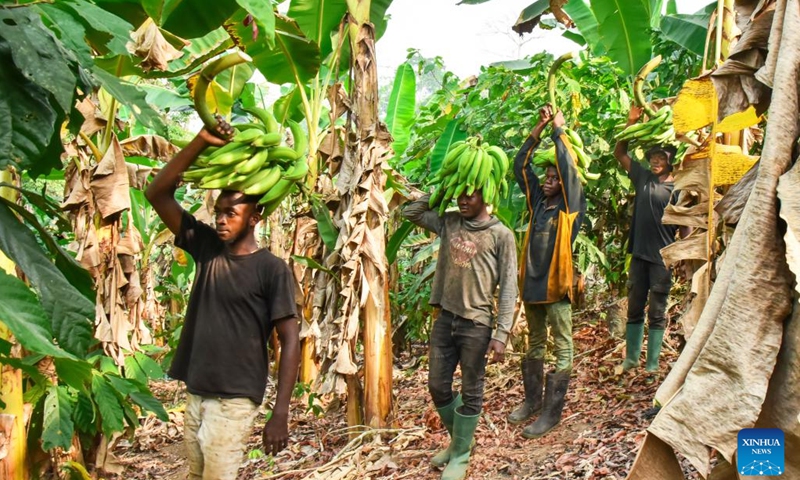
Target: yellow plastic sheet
{"x":695,"y":106}
{"x":730,"y":164}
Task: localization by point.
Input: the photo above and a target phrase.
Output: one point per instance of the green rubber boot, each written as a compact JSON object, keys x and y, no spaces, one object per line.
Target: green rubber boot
{"x":447,"y":414}
{"x":634,"y":335}
{"x":461,"y":446}
{"x":654,"y":340}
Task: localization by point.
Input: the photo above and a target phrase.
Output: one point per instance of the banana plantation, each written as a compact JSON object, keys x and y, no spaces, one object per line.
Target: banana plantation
{"x":98,"y":96}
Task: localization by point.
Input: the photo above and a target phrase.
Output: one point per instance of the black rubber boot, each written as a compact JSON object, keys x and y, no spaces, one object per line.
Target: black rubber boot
{"x":554,"y":397}
{"x":532,"y":373}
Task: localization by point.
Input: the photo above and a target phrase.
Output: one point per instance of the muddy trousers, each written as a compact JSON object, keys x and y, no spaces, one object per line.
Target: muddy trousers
{"x":456,"y":340}
{"x":216,"y":431}
{"x":558,"y":316}
{"x":647,"y":278}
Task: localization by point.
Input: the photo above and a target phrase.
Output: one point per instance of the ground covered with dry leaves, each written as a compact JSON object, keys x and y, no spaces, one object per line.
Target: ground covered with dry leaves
{"x":601,"y":429}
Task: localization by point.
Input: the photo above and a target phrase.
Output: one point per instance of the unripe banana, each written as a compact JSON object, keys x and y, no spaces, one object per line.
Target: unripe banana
{"x":262,"y":182}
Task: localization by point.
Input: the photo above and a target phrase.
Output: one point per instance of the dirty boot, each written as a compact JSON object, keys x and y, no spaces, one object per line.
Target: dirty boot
{"x":461,"y":446}
{"x":447,"y":414}
{"x":654,"y":340}
{"x":532,"y":373}
{"x":634,"y":334}
{"x":554,"y":398}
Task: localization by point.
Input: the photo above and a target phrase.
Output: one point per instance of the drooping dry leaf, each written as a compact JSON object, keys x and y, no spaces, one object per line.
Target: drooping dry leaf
{"x":150,"y":45}
{"x":110,"y":182}
{"x":150,"y":146}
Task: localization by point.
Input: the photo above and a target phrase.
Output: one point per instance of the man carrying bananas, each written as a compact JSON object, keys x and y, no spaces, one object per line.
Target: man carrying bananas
{"x":477,"y":257}
{"x":557,"y":208}
{"x":648,"y":235}
{"x":240,"y":294}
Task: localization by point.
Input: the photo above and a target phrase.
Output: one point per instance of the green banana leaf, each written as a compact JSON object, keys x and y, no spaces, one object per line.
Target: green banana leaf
{"x":327,"y":230}
{"x":654,"y":9}
{"x":132,"y":96}
{"x":195,"y":18}
{"x":264,"y":13}
{"x":289,"y":106}
{"x":294,"y":59}
{"x":401,"y":109}
{"x":688,"y":31}
{"x":586,"y":22}
{"x":318,"y":19}
{"x":70,"y":313}
{"x":452,"y":133}
{"x":397,"y":239}
{"x":105,"y":31}
{"x":530,"y":16}
{"x":623,"y":27}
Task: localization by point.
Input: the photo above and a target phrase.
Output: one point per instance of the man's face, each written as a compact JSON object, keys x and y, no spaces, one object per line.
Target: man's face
{"x":659,"y":164}
{"x":552,"y":184}
{"x":470,"y":206}
{"x":233,"y":217}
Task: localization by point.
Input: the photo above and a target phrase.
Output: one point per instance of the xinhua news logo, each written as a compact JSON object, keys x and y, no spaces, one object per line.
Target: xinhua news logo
{"x":760,"y":452}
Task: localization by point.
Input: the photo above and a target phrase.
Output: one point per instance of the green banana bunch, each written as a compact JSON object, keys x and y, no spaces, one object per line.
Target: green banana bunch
{"x":255,"y":162}
{"x":544,"y":157}
{"x":657,"y":130}
{"x":471,"y":165}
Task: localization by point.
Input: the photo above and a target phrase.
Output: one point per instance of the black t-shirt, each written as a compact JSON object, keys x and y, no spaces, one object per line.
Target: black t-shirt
{"x":235,"y":300}
{"x":648,"y":235}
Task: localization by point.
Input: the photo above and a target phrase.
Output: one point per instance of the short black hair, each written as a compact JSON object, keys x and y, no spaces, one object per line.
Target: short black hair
{"x":248,"y":199}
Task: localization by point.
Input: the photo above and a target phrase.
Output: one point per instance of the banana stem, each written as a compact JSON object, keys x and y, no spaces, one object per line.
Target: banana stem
{"x":551,"y":77}
{"x":638,"y":84}
{"x":206,"y":77}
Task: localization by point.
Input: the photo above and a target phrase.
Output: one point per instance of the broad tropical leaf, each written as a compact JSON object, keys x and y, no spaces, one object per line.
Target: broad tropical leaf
{"x":22,"y":313}
{"x":106,"y":32}
{"x":688,"y":31}
{"x":111,"y":412}
{"x":84,"y":415}
{"x":289,"y":107}
{"x":623,"y":28}
{"x":72,"y":33}
{"x":311,"y":263}
{"x":58,"y":427}
{"x":585,"y":20}
{"x":264,"y":14}
{"x":654,"y":9}
{"x":327,"y":230}
{"x":318,"y":19}
{"x":529,"y":17}
{"x":74,"y":272}
{"x":150,"y":404}
{"x":402,"y":107}
{"x":75,"y":373}
{"x":294,"y":59}
{"x":399,"y":236}
{"x":132,"y":96}
{"x":452,"y":133}
{"x":71,"y":321}
{"x":195,"y":18}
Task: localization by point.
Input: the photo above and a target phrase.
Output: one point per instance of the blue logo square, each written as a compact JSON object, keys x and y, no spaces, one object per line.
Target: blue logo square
{"x":760,"y":452}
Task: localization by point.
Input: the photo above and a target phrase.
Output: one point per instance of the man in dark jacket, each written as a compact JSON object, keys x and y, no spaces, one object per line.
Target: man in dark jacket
{"x":477,"y":258}
{"x":557,"y":208}
{"x":648,"y":235}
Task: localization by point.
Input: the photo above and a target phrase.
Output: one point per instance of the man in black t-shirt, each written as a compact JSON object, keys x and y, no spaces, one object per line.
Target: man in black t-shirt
{"x":240,"y":294}
{"x":648,"y":235}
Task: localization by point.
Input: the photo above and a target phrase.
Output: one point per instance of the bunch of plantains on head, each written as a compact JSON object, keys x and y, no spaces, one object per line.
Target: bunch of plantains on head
{"x":468,"y":166}
{"x":256,"y":161}
{"x":544,"y":157}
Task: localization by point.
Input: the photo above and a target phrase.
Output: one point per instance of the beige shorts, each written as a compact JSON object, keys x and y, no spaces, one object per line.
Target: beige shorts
{"x":216,"y":431}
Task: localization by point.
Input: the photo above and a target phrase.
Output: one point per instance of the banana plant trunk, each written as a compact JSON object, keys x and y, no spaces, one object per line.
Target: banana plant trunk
{"x":13,"y":440}
{"x":364,"y":213}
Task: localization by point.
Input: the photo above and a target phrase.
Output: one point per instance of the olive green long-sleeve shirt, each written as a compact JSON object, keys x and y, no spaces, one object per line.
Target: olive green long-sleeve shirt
{"x":475,"y":260}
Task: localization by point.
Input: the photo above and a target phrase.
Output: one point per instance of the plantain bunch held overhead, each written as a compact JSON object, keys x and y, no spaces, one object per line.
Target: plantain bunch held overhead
{"x":257,"y":161}
{"x":468,"y":166}
{"x":546,"y":156}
